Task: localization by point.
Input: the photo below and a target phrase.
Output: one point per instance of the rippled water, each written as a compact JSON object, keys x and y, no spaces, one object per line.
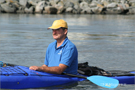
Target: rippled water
{"x":106,"y":41}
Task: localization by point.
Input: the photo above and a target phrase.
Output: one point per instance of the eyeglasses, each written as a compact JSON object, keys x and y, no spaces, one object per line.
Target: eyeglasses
{"x":59,"y":29}
{"x":56,"y":29}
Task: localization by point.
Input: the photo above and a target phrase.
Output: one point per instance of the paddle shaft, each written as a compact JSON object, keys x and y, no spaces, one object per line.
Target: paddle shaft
{"x":79,"y":76}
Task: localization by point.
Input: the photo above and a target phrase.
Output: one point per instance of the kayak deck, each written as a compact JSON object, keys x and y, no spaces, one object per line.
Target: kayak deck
{"x":20,"y":77}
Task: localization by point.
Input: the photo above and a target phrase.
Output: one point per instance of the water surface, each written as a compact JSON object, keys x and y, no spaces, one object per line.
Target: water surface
{"x":105,"y":41}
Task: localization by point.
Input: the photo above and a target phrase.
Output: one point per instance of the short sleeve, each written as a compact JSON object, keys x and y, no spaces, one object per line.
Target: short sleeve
{"x":68,"y":56}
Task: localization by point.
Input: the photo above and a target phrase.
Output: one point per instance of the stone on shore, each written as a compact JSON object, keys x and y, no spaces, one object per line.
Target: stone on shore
{"x":29,"y":10}
{"x":87,"y":11}
{"x":39,"y":7}
{"x":1,"y":9}
{"x":23,"y":2}
{"x":9,"y":7}
{"x":60,"y":7}
{"x":69,"y":10}
{"x":51,"y":10}
{"x":84,"y":5}
{"x":1,"y":1}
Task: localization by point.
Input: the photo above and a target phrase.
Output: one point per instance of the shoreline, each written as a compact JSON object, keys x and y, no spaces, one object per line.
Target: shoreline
{"x":125,"y":7}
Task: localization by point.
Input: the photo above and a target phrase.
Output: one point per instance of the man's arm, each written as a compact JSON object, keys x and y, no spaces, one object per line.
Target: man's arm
{"x":55,"y":70}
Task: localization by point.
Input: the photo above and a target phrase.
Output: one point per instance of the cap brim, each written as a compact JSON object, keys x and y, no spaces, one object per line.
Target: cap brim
{"x":53,"y":27}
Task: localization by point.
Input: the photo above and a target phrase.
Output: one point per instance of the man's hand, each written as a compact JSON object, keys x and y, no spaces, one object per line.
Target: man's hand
{"x":38,"y":68}
{"x":34,"y":67}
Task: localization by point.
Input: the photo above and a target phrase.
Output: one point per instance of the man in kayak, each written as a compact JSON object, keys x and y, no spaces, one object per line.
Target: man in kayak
{"x":61,"y":55}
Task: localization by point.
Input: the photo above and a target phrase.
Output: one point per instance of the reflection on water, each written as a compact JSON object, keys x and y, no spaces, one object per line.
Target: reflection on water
{"x":86,"y":36}
{"x":106,"y":41}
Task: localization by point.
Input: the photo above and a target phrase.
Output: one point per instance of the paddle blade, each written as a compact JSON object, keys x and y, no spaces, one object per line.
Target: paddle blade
{"x":103,"y":81}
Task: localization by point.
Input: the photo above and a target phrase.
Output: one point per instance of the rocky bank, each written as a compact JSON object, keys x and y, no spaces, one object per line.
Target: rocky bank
{"x":68,"y":6}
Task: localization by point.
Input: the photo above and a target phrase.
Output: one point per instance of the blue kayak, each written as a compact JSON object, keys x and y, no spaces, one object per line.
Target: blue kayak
{"x":20,"y":77}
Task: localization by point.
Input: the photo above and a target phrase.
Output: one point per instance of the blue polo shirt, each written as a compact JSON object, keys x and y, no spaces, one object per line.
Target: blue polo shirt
{"x":65,"y":54}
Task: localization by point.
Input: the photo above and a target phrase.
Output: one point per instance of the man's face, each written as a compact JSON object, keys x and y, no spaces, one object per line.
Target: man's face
{"x":59,"y":34}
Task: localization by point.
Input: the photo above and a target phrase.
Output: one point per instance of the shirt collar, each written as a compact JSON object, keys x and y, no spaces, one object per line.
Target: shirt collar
{"x":63,"y":44}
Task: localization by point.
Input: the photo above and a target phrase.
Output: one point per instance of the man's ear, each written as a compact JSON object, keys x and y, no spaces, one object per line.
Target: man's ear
{"x":66,"y":31}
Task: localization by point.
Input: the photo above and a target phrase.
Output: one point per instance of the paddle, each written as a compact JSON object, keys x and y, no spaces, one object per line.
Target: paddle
{"x":102,"y":81}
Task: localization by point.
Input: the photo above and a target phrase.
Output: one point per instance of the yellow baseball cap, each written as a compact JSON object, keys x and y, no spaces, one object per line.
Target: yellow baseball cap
{"x":58,"y":24}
